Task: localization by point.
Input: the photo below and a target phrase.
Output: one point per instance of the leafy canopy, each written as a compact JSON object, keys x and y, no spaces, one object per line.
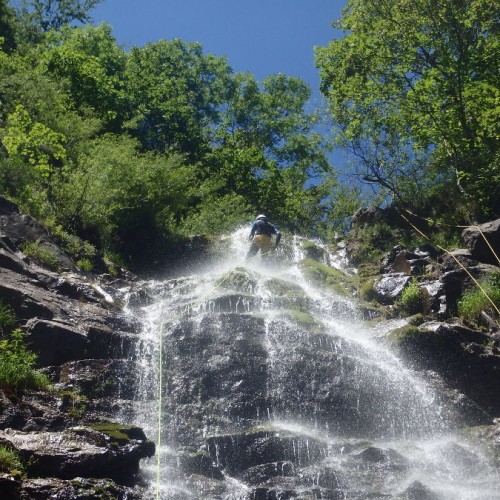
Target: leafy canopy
{"x":414,"y":88}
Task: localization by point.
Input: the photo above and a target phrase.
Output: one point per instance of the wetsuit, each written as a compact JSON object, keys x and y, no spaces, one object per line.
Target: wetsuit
{"x":261,"y":234}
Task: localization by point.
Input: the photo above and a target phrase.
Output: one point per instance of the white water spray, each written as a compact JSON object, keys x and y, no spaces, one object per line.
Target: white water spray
{"x":368,"y":397}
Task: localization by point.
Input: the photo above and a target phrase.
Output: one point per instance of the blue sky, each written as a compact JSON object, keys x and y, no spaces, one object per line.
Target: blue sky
{"x":260,"y":36}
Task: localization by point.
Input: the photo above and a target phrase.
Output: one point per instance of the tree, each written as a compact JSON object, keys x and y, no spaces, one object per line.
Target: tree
{"x":175,"y":94}
{"x":418,"y":78}
{"x":7,"y":27}
{"x":90,"y":66}
{"x":49,"y":15}
{"x":265,"y":148}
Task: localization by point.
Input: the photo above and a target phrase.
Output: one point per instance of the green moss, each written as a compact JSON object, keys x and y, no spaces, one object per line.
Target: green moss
{"x":328,"y":277}
{"x":117,"y":432}
{"x":238,"y":279}
{"x":417,"y":319}
{"x":293,"y":295}
{"x":302,"y":318}
{"x":406,"y":332}
{"x":367,"y":291}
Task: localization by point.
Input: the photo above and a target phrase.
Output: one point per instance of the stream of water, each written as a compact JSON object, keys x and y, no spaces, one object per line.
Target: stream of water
{"x":386,"y":432}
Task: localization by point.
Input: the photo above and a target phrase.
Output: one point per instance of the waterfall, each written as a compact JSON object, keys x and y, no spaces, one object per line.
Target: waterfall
{"x":272,"y":387}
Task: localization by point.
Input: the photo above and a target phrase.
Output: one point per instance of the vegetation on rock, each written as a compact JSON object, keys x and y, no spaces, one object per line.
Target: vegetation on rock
{"x":10,"y":461}
{"x":17,"y":365}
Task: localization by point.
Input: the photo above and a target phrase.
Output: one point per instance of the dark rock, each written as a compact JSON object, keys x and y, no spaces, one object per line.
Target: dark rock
{"x":418,"y":491}
{"x":76,"y":489}
{"x":375,"y":215}
{"x":387,"y":456}
{"x":78,"y":452}
{"x":239,"y":452}
{"x":198,"y":463}
{"x":55,"y":342}
{"x":390,"y":286}
{"x":9,"y":487}
{"x":262,"y":473}
{"x":466,"y":358}
{"x":474,"y":238}
{"x":100,"y":378}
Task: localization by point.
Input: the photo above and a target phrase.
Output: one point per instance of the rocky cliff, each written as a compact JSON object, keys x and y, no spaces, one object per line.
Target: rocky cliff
{"x":74,"y":323}
{"x":273,"y":384}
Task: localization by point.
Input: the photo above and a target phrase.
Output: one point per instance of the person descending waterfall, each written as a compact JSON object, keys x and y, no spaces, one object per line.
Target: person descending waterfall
{"x":261,"y":237}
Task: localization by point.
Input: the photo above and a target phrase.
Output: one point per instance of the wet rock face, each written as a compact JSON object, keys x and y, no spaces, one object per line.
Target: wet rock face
{"x":81,"y":336}
{"x":469,"y":360}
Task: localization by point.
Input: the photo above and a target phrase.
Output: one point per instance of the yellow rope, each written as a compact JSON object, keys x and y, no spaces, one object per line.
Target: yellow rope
{"x":432,"y":222}
{"x":457,"y":261}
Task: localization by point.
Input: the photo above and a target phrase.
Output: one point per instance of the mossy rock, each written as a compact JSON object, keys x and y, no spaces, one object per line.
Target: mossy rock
{"x":239,"y":279}
{"x":367,"y":290}
{"x":313,"y":251}
{"x":293,"y":295}
{"x":303,"y":319}
{"x":413,"y":337}
{"x":119,"y":433}
{"x":328,"y":277}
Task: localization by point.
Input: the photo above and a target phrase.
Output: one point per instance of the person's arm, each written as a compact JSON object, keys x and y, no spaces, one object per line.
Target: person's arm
{"x":278,"y":236}
{"x":252,"y":232}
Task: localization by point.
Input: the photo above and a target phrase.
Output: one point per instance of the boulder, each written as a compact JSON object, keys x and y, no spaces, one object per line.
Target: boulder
{"x":467,"y":359}
{"x":480,"y":250}
{"x":78,"y":488}
{"x":80,"y":451}
{"x":390,"y":286}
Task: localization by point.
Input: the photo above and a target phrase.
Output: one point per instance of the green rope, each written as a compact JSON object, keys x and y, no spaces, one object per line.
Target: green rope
{"x":160,"y":374}
{"x":160,"y":404}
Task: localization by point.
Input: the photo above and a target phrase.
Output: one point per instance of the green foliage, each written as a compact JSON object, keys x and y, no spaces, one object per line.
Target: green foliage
{"x":474,"y":301}
{"x":7,"y":317}
{"x":74,"y":403}
{"x":36,"y":17}
{"x":135,"y":150}
{"x":413,"y":81}
{"x":17,"y":364}
{"x":412,"y":299}
{"x":372,"y":240}
{"x":42,"y":255}
{"x":217,"y":215}
{"x":10,"y":461}
{"x":82,"y":251}
{"x":7,"y":27}
{"x":35,"y":143}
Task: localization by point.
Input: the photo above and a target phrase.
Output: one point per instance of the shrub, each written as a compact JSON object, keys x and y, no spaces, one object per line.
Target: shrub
{"x":7,"y":317}
{"x":473,"y":301}
{"x":81,"y":250}
{"x":17,"y":364}
{"x":412,"y":300}
{"x":43,"y":256}
{"x":10,"y":462}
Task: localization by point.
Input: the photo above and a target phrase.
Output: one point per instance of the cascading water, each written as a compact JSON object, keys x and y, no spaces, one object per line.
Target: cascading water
{"x":273,"y":388}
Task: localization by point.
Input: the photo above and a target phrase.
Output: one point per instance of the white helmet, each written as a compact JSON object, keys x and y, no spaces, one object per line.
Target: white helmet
{"x":261,"y":216}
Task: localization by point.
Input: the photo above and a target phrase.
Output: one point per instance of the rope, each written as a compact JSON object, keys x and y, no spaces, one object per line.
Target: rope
{"x":457,"y":261}
{"x":160,"y":371}
{"x":432,"y":222}
{"x":160,"y":413}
